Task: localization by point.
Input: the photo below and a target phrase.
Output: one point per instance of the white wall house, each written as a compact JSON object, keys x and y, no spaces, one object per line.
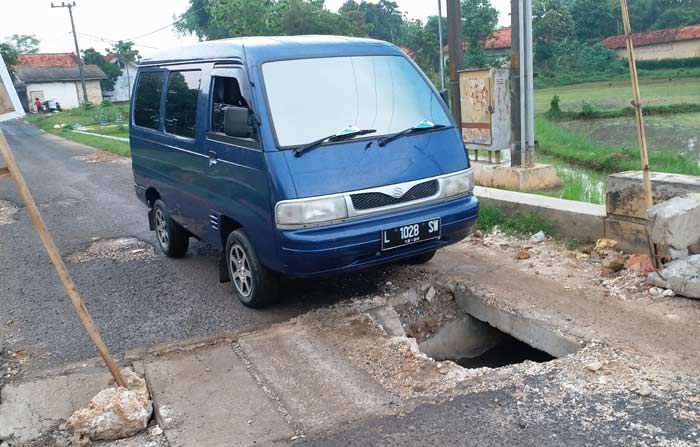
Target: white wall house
{"x":124,"y":84}
{"x":56,"y":77}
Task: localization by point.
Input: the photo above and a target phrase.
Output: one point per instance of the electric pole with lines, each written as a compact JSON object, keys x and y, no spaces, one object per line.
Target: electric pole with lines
{"x":70,"y":6}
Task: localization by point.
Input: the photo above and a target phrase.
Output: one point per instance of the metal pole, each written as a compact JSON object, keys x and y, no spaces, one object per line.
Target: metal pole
{"x":529,"y":85}
{"x":516,"y":156}
{"x":77,"y":48}
{"x":442,"y":55}
{"x":454,"y":44}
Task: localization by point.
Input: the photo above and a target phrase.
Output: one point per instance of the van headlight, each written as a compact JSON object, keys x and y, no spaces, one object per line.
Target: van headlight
{"x":298,"y":213}
{"x":458,"y":184}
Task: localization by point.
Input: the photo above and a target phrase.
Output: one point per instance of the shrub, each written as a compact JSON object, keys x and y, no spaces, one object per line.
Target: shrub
{"x":587,"y":110}
{"x":690,"y":62}
{"x":87,"y":105}
{"x":105,"y":103}
{"x":554,"y":109}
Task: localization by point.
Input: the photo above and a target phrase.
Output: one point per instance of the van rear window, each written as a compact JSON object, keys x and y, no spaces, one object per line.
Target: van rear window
{"x":147,"y":103}
{"x":181,"y":102}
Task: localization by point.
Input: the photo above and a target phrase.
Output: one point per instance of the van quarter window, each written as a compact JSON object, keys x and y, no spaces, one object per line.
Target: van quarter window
{"x":147,"y":103}
{"x":226,"y":92}
{"x":181,"y":102}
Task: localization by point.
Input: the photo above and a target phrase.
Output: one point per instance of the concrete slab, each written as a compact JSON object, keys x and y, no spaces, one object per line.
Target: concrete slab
{"x":304,"y":372}
{"x":537,"y":176}
{"x":208,"y":398}
{"x":574,"y":220}
{"x":30,"y":409}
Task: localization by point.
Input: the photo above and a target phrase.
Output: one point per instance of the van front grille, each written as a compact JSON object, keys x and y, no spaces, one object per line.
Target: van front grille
{"x":370,"y":200}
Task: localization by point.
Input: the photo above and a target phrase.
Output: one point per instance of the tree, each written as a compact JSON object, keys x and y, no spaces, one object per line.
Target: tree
{"x":24,"y":43}
{"x":125,"y":51}
{"x":9,"y":55}
{"x":384,"y":20}
{"x":552,"y":27}
{"x":594,"y":19}
{"x":94,"y":57}
{"x":479,"y":20}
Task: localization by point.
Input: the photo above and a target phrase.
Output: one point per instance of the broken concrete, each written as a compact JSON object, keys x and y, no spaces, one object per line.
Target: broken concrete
{"x":464,"y":338}
{"x":675,"y":225}
{"x":388,"y":320}
{"x":25,"y":418}
{"x":231,"y":409}
{"x":121,"y":250}
{"x":114,"y":413}
{"x":7,"y":212}
{"x":682,"y":276}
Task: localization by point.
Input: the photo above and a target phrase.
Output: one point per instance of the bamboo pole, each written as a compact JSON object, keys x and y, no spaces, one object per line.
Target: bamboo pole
{"x":637,"y":104}
{"x":55,"y":256}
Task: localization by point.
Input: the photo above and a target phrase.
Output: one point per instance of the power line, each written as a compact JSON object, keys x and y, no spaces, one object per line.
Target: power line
{"x":169,"y":24}
{"x":107,"y":40}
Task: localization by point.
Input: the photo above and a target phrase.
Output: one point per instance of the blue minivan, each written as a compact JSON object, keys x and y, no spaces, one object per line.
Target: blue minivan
{"x":297,"y":156}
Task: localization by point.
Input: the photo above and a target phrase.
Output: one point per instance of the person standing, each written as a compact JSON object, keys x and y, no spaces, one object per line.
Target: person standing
{"x":37,"y":104}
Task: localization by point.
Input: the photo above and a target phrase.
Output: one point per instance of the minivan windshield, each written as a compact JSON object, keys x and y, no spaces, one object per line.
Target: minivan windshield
{"x":313,"y":98}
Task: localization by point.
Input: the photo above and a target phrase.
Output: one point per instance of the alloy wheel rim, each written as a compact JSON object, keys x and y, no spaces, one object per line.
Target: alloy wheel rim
{"x":241,"y":274}
{"x":162,"y":229}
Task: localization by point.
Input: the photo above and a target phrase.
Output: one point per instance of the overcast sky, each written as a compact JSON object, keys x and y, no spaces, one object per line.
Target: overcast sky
{"x":100,"y":22}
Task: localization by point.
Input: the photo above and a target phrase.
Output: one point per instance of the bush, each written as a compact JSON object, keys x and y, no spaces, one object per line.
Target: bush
{"x":87,"y":105}
{"x":587,"y":110}
{"x":690,"y":62}
{"x":554,"y":109}
{"x":105,"y":103}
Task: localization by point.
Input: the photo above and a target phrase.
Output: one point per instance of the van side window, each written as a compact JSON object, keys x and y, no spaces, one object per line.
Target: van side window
{"x":225,"y":93}
{"x":147,"y":103}
{"x":181,"y":102}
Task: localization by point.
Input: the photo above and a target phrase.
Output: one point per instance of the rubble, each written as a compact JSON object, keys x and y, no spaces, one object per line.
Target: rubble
{"x":7,"y":212}
{"x":522,"y":255}
{"x":114,"y":413}
{"x":681,"y":276}
{"x":640,"y":263}
{"x":604,"y":246}
{"x":121,"y":249}
{"x":675,"y":225}
{"x":614,"y":261}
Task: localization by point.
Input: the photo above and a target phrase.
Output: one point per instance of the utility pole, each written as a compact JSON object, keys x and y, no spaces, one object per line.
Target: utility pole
{"x":522,"y":110}
{"x":456,"y":53}
{"x":442,"y":54}
{"x":70,"y":7}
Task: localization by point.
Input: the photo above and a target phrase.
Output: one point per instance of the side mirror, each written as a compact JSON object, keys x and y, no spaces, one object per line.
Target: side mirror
{"x":236,"y":122}
{"x":445,"y":97}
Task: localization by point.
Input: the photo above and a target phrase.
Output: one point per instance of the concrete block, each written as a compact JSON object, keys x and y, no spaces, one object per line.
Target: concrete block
{"x":387,"y":317}
{"x":572,"y":220}
{"x":538,"y":176}
{"x":210,"y":399}
{"x":625,"y":194}
{"x":682,"y":276}
{"x":675,"y":225}
{"x":629,"y":232}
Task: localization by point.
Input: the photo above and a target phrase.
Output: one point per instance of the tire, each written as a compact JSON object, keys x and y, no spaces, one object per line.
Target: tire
{"x":421,"y":258}
{"x":254,"y":285}
{"x":173,"y":240}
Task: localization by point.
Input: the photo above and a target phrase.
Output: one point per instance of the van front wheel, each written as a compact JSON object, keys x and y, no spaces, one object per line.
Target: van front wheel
{"x":254,"y":285}
{"x":173,"y":240}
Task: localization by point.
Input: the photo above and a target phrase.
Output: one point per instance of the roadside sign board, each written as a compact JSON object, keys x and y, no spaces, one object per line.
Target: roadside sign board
{"x":10,"y":107}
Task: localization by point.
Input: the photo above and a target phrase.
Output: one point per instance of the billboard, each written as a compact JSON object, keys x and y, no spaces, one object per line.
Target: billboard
{"x":10,"y":106}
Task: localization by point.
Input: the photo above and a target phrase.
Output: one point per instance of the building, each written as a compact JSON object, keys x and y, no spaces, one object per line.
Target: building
{"x":498,"y":43}
{"x":674,"y":43}
{"x":124,"y":84}
{"x":56,"y":77}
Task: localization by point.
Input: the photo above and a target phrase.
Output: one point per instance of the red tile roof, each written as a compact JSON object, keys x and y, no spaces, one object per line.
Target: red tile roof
{"x":47,"y":60}
{"x":656,"y":37}
{"x":498,"y":40}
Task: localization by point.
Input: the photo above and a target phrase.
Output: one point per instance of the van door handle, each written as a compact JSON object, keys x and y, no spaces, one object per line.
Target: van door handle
{"x":213,"y":158}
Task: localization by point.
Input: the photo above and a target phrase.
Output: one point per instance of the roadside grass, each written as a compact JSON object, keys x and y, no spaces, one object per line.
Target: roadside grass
{"x":580,"y":150}
{"x":491,"y":217}
{"x":614,"y":94}
{"x":90,"y":117}
{"x":591,"y":113}
{"x":570,"y":78}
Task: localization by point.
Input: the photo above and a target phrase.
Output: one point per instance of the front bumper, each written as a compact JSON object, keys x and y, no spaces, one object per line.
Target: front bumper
{"x":356,"y":244}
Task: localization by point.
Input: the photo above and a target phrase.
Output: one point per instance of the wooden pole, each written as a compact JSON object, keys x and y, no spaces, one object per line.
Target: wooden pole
{"x":637,"y":104}
{"x":58,"y":261}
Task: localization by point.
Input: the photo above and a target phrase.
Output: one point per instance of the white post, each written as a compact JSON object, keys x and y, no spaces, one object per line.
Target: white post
{"x":529,"y":85}
{"x":442,"y":54}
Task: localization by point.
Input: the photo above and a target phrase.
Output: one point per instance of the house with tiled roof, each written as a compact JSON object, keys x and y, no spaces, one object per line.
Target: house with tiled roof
{"x":498,"y":43}
{"x":124,"y":84}
{"x":55,"y":77}
{"x":673,"y":43}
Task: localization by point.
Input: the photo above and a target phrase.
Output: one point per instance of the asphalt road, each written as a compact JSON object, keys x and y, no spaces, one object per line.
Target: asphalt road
{"x":135,"y":302}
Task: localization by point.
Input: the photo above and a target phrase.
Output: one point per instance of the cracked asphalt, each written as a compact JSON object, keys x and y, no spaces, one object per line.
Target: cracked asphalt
{"x":134,"y":302}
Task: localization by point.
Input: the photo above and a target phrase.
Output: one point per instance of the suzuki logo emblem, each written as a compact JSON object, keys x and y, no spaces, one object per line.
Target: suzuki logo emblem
{"x":397,"y":192}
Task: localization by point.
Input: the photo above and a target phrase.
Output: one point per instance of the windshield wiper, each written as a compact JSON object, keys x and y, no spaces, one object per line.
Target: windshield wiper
{"x":344,"y":134}
{"x":420,"y":127}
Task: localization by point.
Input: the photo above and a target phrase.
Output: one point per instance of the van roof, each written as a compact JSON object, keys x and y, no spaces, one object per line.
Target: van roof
{"x":261,"y":49}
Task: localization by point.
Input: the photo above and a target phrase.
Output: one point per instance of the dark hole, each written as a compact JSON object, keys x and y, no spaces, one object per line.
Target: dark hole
{"x":508,"y":352}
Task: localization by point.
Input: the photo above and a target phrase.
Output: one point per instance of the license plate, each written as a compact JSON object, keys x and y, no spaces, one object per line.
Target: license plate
{"x":410,"y":234}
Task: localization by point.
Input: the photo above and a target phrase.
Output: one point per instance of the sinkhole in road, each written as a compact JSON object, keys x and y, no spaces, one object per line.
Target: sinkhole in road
{"x":509,"y":351}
